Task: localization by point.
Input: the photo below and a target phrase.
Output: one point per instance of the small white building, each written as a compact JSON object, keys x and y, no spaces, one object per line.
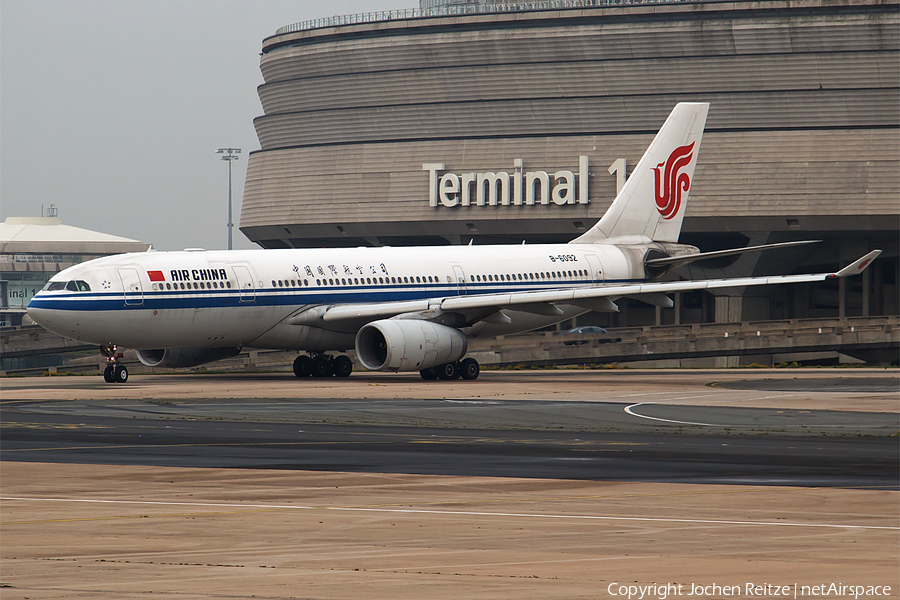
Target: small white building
{"x":33,"y":249}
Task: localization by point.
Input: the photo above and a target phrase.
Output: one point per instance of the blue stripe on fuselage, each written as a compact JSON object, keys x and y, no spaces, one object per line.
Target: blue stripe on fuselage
{"x":182,"y":299}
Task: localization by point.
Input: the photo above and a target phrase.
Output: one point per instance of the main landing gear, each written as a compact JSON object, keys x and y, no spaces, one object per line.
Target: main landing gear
{"x":114,"y":371}
{"x":467,"y":368}
{"x":323,"y":365}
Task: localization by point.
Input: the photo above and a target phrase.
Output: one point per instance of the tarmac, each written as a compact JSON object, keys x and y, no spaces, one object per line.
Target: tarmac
{"x":70,"y":530}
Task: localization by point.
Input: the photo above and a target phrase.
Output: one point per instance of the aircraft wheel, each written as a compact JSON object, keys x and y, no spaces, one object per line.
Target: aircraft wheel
{"x":302,"y":366}
{"x":121,"y":374}
{"x":469,"y":368}
{"x":429,"y":374}
{"x":320,"y":366}
{"x":342,"y":366}
{"x":448,"y":372}
{"x":109,"y":374}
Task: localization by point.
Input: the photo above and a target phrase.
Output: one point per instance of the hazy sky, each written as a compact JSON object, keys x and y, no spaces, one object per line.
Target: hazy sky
{"x":113,"y":110}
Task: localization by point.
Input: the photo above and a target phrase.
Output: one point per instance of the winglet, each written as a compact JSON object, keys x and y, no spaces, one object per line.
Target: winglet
{"x":858,"y":266}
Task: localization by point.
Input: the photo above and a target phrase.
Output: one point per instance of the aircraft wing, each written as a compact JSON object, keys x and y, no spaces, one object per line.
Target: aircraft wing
{"x":573,"y":295}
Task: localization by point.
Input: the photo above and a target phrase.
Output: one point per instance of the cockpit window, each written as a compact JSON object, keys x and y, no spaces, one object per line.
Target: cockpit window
{"x":72,"y":286}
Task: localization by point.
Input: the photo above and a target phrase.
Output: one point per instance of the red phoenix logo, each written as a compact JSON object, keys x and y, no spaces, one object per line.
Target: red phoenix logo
{"x":670,"y":183}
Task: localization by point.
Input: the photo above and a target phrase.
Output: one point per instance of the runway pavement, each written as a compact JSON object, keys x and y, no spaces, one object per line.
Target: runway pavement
{"x":545,"y":484}
{"x":639,"y":439}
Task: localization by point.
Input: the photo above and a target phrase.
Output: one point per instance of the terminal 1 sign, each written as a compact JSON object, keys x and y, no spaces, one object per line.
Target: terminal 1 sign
{"x":507,"y":189}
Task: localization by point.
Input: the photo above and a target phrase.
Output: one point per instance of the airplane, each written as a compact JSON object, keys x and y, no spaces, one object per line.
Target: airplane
{"x":401,"y":309}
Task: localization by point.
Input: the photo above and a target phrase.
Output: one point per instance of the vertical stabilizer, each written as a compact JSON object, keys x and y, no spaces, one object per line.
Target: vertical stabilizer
{"x":653,"y":200}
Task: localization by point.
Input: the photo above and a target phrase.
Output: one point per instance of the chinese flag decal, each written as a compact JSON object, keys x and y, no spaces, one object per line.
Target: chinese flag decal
{"x":156,"y":275}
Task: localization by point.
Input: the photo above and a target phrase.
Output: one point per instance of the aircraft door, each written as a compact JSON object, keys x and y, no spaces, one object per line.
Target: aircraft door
{"x":595,"y":267}
{"x":245,"y":283}
{"x":131,"y":284}
{"x":460,"y":280}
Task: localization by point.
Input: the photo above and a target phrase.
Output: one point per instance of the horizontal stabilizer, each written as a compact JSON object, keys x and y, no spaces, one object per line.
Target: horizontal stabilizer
{"x":680,"y":261}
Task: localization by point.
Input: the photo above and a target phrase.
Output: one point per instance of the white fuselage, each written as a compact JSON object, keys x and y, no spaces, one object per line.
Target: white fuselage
{"x":246,"y":298}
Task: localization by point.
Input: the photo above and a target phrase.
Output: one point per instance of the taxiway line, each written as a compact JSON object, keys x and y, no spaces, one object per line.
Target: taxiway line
{"x":458,"y":513}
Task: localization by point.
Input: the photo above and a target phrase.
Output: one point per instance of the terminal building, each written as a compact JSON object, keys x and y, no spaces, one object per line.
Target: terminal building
{"x":34,"y":249}
{"x":361,"y":114}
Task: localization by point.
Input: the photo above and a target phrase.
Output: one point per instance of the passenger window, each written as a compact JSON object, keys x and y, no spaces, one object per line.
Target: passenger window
{"x":343,"y":282}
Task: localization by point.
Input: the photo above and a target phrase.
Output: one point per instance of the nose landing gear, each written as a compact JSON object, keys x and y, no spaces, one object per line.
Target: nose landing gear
{"x":114,"y":371}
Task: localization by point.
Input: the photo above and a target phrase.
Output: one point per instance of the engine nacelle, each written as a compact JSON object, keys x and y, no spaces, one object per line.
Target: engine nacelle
{"x":174,"y":358}
{"x":408,"y":345}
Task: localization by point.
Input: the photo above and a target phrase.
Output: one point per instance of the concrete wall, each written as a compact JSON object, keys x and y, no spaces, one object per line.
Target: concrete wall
{"x":803,"y":121}
{"x":801,"y":142}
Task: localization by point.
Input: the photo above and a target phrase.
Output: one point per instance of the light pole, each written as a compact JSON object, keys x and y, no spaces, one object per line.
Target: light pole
{"x":229,"y":154}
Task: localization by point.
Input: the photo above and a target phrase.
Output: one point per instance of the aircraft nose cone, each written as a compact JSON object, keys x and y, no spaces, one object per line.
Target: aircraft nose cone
{"x":49,"y":318}
{"x":41,"y":316}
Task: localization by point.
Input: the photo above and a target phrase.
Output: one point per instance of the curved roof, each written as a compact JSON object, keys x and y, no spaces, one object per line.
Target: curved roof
{"x":48,"y":235}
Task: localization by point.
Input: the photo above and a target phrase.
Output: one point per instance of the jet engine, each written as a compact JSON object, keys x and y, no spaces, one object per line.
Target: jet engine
{"x":184,"y":357}
{"x":408,"y":345}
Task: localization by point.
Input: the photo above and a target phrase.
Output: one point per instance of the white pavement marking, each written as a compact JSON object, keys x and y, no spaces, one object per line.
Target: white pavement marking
{"x":417,"y":511}
{"x":634,"y":414}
